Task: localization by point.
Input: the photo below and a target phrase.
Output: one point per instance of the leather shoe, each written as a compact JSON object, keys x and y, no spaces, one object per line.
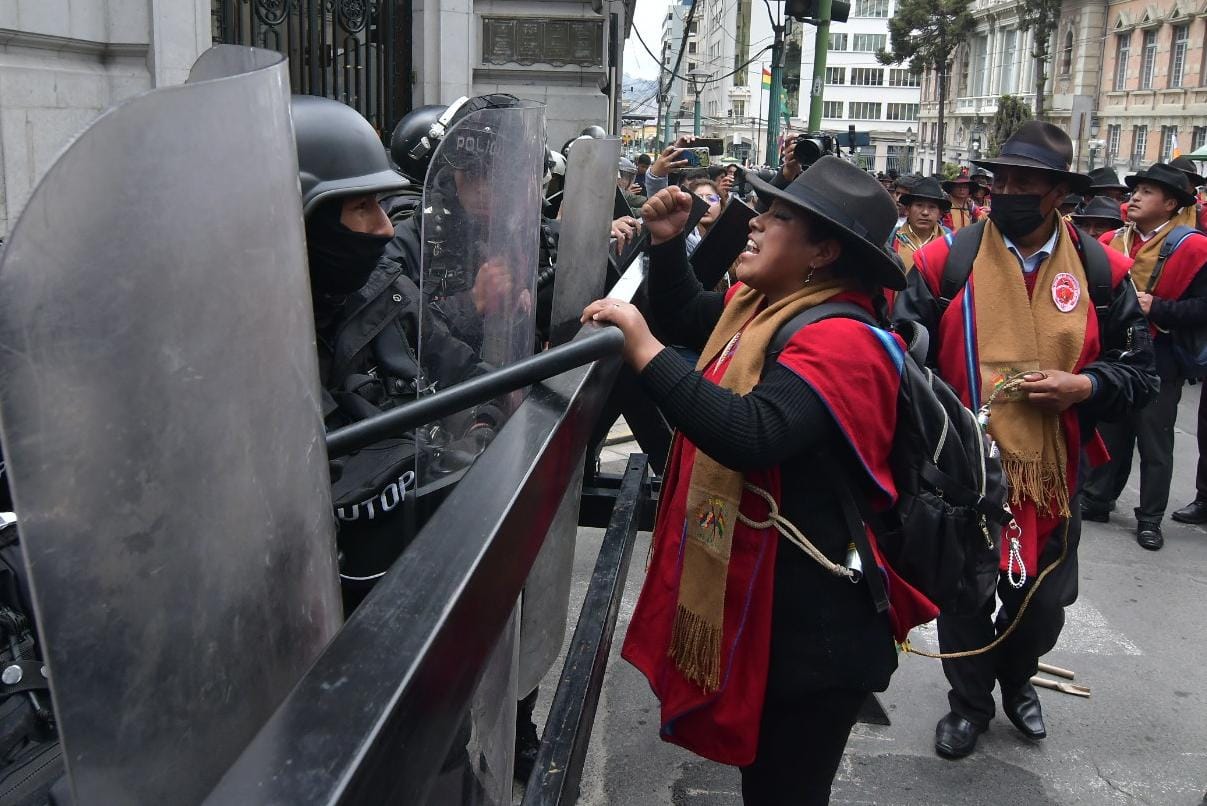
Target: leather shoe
{"x":1099,"y":513}
{"x":1194,"y":512}
{"x":955,"y":736}
{"x":1149,"y":536}
{"x":1022,"y":709}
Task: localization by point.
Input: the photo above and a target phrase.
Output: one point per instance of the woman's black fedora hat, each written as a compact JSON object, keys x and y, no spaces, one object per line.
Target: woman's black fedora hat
{"x":1100,"y":207}
{"x":860,"y":211}
{"x":1168,"y":177}
{"x":1040,"y":146}
{"x":927,"y":190}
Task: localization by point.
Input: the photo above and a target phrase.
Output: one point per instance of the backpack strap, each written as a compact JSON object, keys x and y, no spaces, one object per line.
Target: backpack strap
{"x":1172,"y":241}
{"x":856,"y":530}
{"x":826,"y":310}
{"x":962,"y":250}
{"x":1097,"y":273}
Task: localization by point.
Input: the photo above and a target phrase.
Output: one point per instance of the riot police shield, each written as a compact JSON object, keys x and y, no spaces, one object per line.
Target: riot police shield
{"x":161,"y":429}
{"x":480,"y":227}
{"x":583,"y":239}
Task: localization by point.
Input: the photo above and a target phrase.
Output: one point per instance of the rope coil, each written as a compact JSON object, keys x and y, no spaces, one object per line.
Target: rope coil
{"x":786,"y":528}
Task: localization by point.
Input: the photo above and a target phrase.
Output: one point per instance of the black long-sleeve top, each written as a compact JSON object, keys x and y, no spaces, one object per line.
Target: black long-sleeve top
{"x":1186,"y":312}
{"x":825,"y":630}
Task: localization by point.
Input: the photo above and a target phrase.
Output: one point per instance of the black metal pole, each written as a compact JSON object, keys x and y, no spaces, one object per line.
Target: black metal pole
{"x":588,"y":347}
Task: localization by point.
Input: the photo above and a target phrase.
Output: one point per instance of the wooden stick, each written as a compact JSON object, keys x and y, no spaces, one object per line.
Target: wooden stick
{"x":1056,"y":670}
{"x":1064,"y":688}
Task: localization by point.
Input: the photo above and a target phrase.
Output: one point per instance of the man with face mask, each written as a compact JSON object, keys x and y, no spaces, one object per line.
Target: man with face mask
{"x":1040,"y":323}
{"x":1172,"y":291}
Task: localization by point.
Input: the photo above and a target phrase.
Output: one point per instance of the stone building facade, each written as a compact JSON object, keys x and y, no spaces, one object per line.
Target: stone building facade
{"x":1155,"y":82}
{"x":996,"y":61}
{"x":64,"y":61}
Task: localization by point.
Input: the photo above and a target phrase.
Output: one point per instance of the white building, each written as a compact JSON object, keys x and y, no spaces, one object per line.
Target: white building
{"x":733,"y":45}
{"x":859,"y":91}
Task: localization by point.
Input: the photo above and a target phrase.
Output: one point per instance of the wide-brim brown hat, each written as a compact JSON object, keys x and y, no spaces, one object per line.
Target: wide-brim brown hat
{"x":1168,"y":177}
{"x":1043,"y":147}
{"x":1100,"y":207}
{"x":927,"y":190}
{"x":950,"y":184}
{"x":1105,"y":179}
{"x":860,"y":211}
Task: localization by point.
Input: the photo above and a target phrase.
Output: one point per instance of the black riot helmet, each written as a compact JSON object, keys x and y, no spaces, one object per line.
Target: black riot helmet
{"x":339,"y":153}
{"x":416,"y":136}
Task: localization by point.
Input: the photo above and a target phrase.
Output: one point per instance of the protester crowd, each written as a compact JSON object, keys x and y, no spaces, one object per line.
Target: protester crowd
{"x":1060,"y":314}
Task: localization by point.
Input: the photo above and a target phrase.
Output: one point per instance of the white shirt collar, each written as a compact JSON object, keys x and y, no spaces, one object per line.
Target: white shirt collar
{"x":1030,"y":264}
{"x":1146,"y":237}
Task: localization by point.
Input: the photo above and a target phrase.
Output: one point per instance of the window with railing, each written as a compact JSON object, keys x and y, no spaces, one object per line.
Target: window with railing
{"x":864,"y":110}
{"x":1139,"y":145}
{"x":1113,"y":135}
{"x":831,"y":110}
{"x":739,"y":108}
{"x":871,"y":8}
{"x":903,"y":78}
{"x":1177,"y":55}
{"x":901,"y":112}
{"x":836,"y":75}
{"x":1168,"y":135}
{"x":1123,"y":52}
{"x":838,"y":41}
{"x":867,"y":77}
{"x":868,"y":43}
{"x":1148,"y":65}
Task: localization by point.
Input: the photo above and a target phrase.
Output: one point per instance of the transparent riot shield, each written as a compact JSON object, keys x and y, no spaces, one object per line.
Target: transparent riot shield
{"x":161,"y":428}
{"x":480,"y":230}
{"x":585,"y":224}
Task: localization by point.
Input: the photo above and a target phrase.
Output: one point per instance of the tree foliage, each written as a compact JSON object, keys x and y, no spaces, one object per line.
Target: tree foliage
{"x":1042,"y":17}
{"x":925,"y":34}
{"x":1011,"y":113}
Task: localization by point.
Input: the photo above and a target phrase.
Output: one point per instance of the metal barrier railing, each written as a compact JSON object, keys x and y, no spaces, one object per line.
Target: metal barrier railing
{"x":373,"y":719}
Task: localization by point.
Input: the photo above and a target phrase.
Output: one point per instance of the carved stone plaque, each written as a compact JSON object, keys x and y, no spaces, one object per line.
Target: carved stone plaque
{"x":548,"y":40}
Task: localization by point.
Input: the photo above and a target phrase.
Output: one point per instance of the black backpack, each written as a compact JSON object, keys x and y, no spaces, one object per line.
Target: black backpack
{"x":1189,"y":345}
{"x":943,"y":536}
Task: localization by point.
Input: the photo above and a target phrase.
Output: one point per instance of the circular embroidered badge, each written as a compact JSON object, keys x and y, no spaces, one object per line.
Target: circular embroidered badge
{"x":1066,"y":292}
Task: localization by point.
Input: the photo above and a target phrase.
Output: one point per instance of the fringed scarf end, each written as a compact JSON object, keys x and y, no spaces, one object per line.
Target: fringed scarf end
{"x":696,"y":649}
{"x":1039,"y":481}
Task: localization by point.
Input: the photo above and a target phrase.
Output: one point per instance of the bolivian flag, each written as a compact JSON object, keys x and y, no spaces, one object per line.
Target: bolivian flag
{"x":766,"y":79}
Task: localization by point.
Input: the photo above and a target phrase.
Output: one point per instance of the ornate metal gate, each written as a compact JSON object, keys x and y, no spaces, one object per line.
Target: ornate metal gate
{"x":355,"y":51}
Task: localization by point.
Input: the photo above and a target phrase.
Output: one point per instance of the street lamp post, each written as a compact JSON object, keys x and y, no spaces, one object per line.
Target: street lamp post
{"x":697,"y":78}
{"x":909,"y":151}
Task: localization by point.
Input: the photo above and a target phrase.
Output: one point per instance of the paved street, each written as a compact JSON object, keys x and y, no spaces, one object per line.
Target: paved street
{"x":1136,"y":638}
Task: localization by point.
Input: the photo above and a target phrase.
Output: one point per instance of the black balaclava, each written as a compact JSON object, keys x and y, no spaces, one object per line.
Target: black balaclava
{"x":340,"y":260}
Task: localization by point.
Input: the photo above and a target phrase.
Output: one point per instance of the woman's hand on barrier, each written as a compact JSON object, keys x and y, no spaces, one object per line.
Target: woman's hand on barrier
{"x":665,"y":214}
{"x":640,"y":346}
{"x":624,"y":230}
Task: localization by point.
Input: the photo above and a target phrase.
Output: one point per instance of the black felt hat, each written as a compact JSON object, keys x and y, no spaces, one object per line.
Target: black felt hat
{"x":1168,"y":177}
{"x":927,"y":190}
{"x":860,"y":211}
{"x":1105,"y":179}
{"x":1100,"y":207}
{"x":1040,"y":146}
{"x":1187,"y":166}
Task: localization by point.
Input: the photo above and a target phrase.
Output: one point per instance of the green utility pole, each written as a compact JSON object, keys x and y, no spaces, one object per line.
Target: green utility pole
{"x":777,"y":87}
{"x":821,"y":48}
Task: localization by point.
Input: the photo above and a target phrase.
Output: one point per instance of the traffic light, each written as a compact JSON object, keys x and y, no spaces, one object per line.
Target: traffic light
{"x":808,"y":9}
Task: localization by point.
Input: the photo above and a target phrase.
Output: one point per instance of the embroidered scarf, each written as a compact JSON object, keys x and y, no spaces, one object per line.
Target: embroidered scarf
{"x":1017,"y":333}
{"x":733,"y":359}
{"x":1145,"y":258}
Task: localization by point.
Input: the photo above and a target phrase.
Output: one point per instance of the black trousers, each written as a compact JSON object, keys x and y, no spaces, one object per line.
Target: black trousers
{"x":1017,"y":659}
{"x":1150,"y":429}
{"x":801,"y":740}
{"x":1200,"y":477}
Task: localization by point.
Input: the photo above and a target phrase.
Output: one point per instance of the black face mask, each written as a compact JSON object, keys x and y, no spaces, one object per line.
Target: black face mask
{"x":1017,"y":214}
{"x":341,"y":260}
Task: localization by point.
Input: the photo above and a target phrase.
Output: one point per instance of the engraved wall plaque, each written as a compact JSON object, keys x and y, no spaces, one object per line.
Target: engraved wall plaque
{"x":548,"y":40}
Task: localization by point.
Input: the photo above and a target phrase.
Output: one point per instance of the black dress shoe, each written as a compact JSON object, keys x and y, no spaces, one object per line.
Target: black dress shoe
{"x":1100,"y":513}
{"x":1194,"y":512}
{"x":1022,"y":709}
{"x":955,"y":736}
{"x":1149,"y":536}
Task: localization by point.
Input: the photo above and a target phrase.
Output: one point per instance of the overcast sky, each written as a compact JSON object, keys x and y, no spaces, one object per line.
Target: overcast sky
{"x":648,"y":20}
